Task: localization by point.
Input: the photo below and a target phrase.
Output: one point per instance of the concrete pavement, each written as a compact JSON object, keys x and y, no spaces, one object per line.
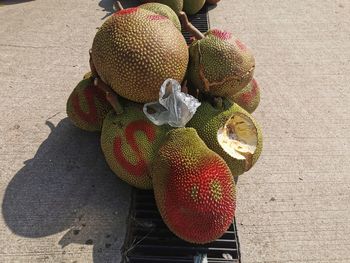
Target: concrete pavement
{"x":61,"y":203}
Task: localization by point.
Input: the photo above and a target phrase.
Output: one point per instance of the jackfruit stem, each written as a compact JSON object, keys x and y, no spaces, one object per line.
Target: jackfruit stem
{"x":92,"y":66}
{"x":114,"y":101}
{"x":111,"y":96}
{"x":189,"y":27}
{"x":118,"y":6}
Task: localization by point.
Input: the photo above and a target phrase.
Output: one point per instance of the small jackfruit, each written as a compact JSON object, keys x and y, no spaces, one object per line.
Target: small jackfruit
{"x":248,"y":98}
{"x":163,"y":10}
{"x":87,"y":105}
{"x":176,"y":5}
{"x":130,"y":142}
{"x":136,"y":50}
{"x":231,"y":132}
{"x":191,"y":7}
{"x":193,"y":187}
{"x":220,"y":64}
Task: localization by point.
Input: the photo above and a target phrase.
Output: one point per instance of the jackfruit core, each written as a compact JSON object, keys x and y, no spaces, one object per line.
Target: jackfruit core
{"x":238,"y":137}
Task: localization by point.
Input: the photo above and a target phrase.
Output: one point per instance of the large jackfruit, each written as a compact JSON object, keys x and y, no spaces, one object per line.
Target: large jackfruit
{"x":231,"y":132}
{"x":220,"y":64}
{"x":130,"y":142}
{"x":136,"y":50}
{"x":193,"y":187}
{"x":87,"y":105}
{"x":163,"y":10}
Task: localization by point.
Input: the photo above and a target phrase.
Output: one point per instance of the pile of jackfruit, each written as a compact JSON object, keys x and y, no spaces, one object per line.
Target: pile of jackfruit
{"x":191,"y":169}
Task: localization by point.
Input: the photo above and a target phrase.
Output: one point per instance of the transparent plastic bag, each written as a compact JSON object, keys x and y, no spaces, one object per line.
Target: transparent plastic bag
{"x":173,"y":107}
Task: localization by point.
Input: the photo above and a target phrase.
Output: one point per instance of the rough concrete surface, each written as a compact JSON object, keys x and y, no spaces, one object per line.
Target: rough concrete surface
{"x":61,"y":203}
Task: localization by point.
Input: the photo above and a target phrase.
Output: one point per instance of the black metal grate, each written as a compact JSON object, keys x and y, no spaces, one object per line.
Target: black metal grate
{"x":200,"y":21}
{"x":149,"y":239}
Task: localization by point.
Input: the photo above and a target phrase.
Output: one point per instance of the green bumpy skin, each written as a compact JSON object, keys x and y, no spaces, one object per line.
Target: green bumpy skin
{"x":87,"y":105}
{"x":191,"y":7}
{"x":193,"y":187}
{"x":175,"y":5}
{"x":208,"y":120}
{"x":163,"y":10}
{"x":248,"y":98}
{"x":130,"y":142}
{"x":220,"y":64}
{"x":136,"y":50}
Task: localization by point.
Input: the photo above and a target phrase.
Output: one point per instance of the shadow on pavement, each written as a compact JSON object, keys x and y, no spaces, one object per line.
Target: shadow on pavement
{"x":108,"y":5}
{"x":13,"y":2}
{"x":67,"y":185}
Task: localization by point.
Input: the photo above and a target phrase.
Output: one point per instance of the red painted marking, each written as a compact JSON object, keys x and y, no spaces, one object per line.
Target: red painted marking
{"x":157,"y":17}
{"x":240,"y":45}
{"x":204,"y":219}
{"x":127,"y":11}
{"x":139,"y":168}
{"x":90,"y":93}
{"x":224,"y":35}
{"x":249,"y":96}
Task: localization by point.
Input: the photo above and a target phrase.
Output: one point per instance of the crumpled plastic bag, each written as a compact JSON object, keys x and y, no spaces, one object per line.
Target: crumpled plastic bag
{"x":173,"y":107}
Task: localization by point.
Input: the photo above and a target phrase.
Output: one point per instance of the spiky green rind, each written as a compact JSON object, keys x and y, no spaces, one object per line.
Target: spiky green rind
{"x":220,"y":64}
{"x":87,"y":106}
{"x":130,"y":142}
{"x":248,"y":98}
{"x":191,"y":7}
{"x":208,"y":120}
{"x":175,"y":5}
{"x":194,"y":189}
{"x":163,"y":10}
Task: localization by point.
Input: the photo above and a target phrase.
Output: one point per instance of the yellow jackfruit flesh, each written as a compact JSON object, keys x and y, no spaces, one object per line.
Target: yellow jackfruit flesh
{"x":231,"y":132}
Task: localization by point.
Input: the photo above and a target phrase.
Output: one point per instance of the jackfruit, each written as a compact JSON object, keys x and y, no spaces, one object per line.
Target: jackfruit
{"x":130,"y":142}
{"x":87,"y":105}
{"x":231,"y":132}
{"x":163,"y":10}
{"x":136,"y":50}
{"x":176,"y":5}
{"x":220,"y":64}
{"x":193,"y":187}
{"x":248,"y":98}
{"x":191,"y":7}
{"x":88,"y":75}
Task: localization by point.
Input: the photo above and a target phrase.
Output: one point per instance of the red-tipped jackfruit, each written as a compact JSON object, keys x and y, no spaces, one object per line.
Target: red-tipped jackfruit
{"x":248,"y":98}
{"x":176,"y":5}
{"x":136,"y":50}
{"x":163,"y":10}
{"x":130,"y":143}
{"x":87,"y":105}
{"x":220,"y":64}
{"x":193,"y":187}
